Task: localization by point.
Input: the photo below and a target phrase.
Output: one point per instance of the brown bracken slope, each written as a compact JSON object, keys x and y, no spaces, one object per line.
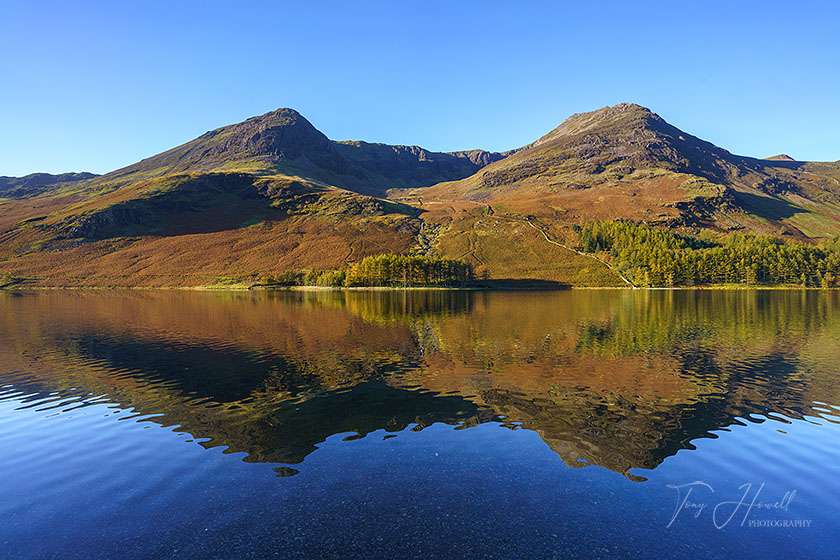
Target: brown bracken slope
{"x":621,"y":162}
{"x":273,"y":193}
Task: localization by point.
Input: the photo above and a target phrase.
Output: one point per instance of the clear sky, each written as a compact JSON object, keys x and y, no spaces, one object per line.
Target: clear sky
{"x":94,"y":86}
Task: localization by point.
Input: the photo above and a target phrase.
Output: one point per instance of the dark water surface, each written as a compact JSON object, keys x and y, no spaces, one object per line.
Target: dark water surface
{"x":437,"y":424}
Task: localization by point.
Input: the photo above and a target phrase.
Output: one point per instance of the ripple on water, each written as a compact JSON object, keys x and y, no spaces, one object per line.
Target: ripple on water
{"x":115,"y":409}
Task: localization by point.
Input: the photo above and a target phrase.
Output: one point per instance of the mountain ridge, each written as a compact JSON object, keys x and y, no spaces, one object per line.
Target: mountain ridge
{"x":274,"y":194}
{"x":36,"y":183}
{"x":283,"y":141}
{"x":626,"y":154}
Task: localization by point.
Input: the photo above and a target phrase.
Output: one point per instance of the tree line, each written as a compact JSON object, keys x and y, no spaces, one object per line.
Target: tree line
{"x":652,"y":257}
{"x":384,"y":270}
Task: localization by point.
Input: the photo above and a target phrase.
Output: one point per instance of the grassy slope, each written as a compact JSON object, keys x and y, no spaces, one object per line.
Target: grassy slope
{"x":227,"y":206}
{"x":621,"y":162}
{"x":194,"y":230}
{"x":254,"y":198}
{"x":506,"y":248}
{"x":625,"y":162}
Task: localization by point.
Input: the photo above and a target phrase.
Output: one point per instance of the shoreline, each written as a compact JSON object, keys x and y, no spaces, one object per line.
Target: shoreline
{"x":500,"y":288}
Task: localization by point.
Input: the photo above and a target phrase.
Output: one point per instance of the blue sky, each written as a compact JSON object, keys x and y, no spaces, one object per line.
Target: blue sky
{"x":96,"y":86}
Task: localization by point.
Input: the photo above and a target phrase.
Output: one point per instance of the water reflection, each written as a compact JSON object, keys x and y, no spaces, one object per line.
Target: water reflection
{"x":614,"y":378}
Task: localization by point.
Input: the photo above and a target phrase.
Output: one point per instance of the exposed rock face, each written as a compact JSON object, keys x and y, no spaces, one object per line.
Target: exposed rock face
{"x":480,"y":157}
{"x":407,"y":166}
{"x":698,"y":211}
{"x":283,"y":133}
{"x":776,"y":185}
{"x":186,"y":194}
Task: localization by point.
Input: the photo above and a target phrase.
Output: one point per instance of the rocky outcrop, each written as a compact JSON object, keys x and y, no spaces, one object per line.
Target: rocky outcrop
{"x":182,"y":194}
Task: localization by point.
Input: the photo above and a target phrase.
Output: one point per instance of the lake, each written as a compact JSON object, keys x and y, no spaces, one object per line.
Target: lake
{"x":420,"y":424}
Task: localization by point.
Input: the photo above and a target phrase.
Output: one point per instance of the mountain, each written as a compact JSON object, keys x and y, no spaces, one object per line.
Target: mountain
{"x":623,"y":162}
{"x":284,"y":142}
{"x":266,"y":195}
{"x":274,"y":194}
{"x":625,"y":152}
{"x":37,"y":183}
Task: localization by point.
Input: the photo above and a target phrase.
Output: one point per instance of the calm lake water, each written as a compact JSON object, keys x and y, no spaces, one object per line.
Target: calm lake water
{"x":577,"y":424}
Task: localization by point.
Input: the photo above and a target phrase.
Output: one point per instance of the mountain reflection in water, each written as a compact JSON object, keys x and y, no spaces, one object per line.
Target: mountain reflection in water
{"x":618,"y":379}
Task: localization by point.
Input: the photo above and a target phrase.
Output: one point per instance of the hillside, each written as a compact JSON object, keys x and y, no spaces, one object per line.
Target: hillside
{"x":625,"y":162}
{"x":195,"y":230}
{"x":258,"y":197}
{"x":274,"y":194}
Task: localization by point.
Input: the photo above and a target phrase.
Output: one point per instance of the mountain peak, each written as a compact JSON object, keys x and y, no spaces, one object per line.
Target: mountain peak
{"x":283,"y":132}
{"x":616,"y":116}
{"x":262,"y":140}
{"x":780,"y":157}
{"x":601,"y":146}
{"x":618,"y":109}
{"x":283,"y":116}
{"x":611,"y":112}
{"x":284,"y":141}
{"x":626,"y":106}
{"x":283,"y":111}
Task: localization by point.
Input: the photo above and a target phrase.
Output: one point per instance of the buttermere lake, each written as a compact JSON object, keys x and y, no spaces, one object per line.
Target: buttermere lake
{"x":420,"y":424}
